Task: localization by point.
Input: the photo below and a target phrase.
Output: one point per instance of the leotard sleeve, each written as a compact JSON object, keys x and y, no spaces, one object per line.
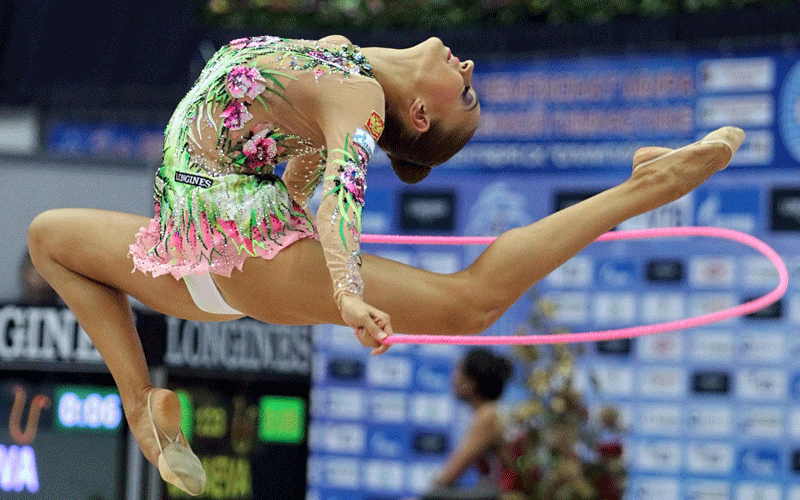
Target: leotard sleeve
{"x":352,"y":121}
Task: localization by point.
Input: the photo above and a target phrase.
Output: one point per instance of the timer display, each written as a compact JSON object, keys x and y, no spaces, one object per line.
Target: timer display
{"x":91,"y":409}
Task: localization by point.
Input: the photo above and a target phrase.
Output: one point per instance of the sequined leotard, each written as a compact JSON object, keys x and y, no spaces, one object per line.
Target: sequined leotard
{"x":261,"y":101}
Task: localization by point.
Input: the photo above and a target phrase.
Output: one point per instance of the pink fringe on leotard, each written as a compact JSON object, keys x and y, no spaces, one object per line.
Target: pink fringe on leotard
{"x":202,"y":248}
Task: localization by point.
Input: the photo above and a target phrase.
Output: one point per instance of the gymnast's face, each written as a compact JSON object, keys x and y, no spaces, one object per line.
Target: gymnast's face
{"x":445,"y":85}
{"x":463,"y":387}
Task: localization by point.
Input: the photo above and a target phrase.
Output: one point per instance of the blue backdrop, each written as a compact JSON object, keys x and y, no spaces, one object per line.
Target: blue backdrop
{"x":711,"y":413}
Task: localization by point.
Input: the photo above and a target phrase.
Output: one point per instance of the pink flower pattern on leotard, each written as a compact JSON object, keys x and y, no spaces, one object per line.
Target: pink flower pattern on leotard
{"x":353,"y":178}
{"x":245,"y":81}
{"x":261,"y":150}
{"x":236,"y":115}
{"x":256,"y":41}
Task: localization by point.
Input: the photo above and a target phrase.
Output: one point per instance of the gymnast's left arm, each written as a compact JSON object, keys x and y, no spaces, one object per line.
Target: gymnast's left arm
{"x":349,"y":121}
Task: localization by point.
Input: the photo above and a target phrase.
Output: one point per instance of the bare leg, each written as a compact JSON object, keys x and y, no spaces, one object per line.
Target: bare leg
{"x":83,"y":255}
{"x":471,"y":300}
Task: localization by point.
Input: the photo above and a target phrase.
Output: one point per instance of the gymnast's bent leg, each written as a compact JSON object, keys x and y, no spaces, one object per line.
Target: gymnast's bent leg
{"x":83,"y":255}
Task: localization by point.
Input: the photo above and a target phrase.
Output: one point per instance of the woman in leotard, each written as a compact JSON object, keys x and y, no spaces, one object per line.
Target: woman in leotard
{"x":478,"y":381}
{"x":323,"y":106}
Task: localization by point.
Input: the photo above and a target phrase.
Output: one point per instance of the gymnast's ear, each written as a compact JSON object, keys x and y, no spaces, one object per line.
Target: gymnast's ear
{"x":418,"y":113}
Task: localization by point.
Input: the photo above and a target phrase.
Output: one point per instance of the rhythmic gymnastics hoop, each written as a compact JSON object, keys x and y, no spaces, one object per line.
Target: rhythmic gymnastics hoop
{"x":636,"y":331}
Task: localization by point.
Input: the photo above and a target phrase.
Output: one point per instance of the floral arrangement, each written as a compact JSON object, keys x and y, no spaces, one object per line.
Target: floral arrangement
{"x":556,"y":451}
{"x":331,"y":14}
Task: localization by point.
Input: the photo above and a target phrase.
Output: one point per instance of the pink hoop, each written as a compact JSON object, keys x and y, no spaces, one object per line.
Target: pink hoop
{"x":637,"y":331}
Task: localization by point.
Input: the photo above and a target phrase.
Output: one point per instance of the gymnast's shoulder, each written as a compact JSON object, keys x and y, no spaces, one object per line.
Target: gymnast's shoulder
{"x":336,"y":39}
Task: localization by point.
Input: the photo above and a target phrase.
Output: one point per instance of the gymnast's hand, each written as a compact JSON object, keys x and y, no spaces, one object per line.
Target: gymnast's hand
{"x":370,"y":325}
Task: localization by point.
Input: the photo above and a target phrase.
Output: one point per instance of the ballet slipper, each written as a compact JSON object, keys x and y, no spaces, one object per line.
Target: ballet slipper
{"x":177,"y":464}
{"x":731,"y":137}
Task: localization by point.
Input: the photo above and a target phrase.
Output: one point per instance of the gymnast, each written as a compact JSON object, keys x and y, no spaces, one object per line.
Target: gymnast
{"x":322,"y":106}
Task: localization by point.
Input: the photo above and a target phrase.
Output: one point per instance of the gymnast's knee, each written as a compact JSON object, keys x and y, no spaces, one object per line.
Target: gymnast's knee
{"x":42,"y":235}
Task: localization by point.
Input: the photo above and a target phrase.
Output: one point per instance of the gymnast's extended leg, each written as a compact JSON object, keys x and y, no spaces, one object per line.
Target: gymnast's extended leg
{"x":470,"y":301}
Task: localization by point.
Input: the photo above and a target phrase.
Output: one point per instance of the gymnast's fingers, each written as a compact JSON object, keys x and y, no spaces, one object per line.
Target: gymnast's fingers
{"x":363,"y":336}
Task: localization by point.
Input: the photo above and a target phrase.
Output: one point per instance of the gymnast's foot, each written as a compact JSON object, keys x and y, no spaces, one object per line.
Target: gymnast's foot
{"x":155,"y":423}
{"x":681,"y":170}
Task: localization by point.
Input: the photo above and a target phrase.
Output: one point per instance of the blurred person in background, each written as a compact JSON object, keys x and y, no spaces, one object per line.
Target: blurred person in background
{"x":33,"y":288}
{"x":478,"y":380}
{"x":321,"y":106}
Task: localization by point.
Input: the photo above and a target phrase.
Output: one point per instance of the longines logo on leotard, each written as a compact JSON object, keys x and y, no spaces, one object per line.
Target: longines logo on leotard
{"x":193,"y":179}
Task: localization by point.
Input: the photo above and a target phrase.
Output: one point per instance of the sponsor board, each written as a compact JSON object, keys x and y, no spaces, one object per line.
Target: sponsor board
{"x":661,"y":307}
{"x":421,"y":475}
{"x":433,"y":376}
{"x":430,"y":443}
{"x":707,"y":490}
{"x":678,"y":213}
{"x":785,"y":209}
{"x":712,"y":271}
{"x":387,"y":441}
{"x":661,"y":347}
{"x":761,"y":422}
{"x":389,"y":371}
{"x":761,"y":384}
{"x":709,"y":420}
{"x":759,"y":461}
{"x":346,"y":370}
{"x":794,"y":422}
{"x":615,"y":273}
{"x":244,"y":345}
{"x":574,"y":273}
{"x":569,"y":307}
{"x":707,"y":303}
{"x":616,"y":347}
{"x":758,"y":271}
{"x":432,"y":409}
{"x":660,"y":420}
{"x":758,"y":491}
{"x":613,"y":380}
{"x":736,"y":74}
{"x":656,"y":488}
{"x":388,"y":406}
{"x":659,"y":456}
{"x":745,"y":110}
{"x":712,"y":346}
{"x":439,"y":262}
{"x":736,"y":208}
{"x":614,"y":308}
{"x":762,"y":347}
{"x":341,"y":472}
{"x":709,"y":458}
{"x":384,"y":475}
{"x":664,"y":271}
{"x":793,"y":301}
{"x":344,"y":403}
{"x":662,"y":382}
{"x":342,"y":438}
{"x":771,"y":312}
{"x":427,"y":211}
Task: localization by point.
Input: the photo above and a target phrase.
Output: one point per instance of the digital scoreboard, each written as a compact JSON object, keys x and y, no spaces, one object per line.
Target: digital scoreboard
{"x":250,"y":437}
{"x":62,"y":437}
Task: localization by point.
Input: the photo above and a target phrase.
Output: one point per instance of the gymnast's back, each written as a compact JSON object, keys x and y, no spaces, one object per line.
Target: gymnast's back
{"x":259,"y":102}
